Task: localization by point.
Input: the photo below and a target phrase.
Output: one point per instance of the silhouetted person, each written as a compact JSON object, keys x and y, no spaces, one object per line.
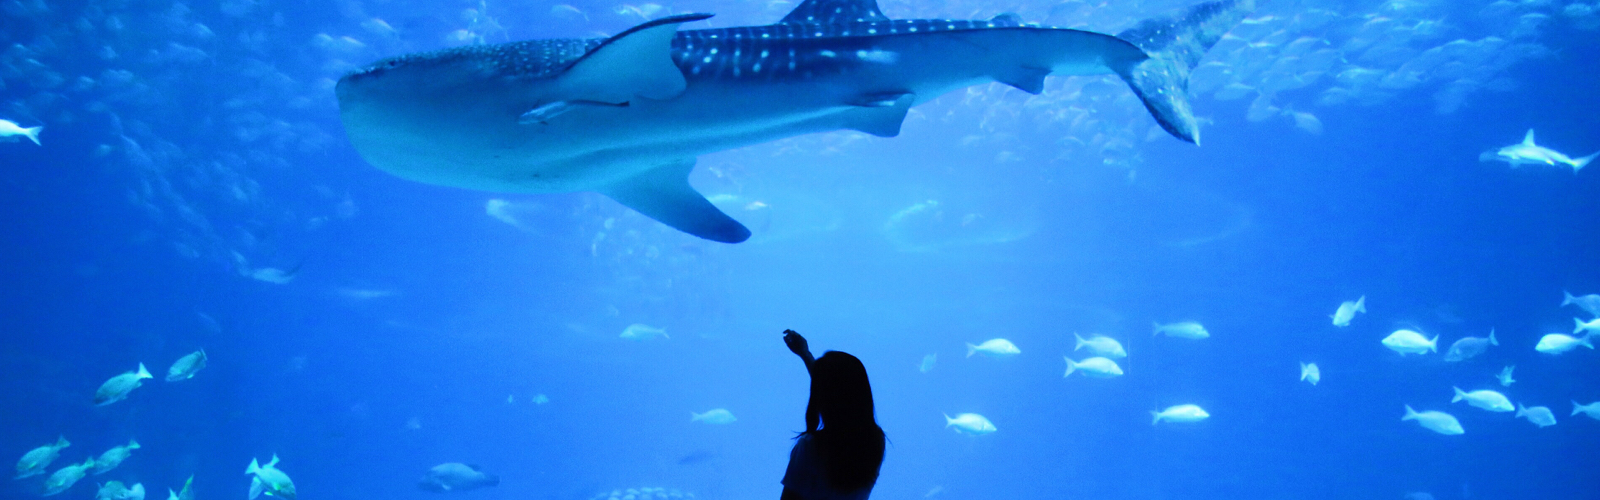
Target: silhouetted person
{"x":838,"y":456}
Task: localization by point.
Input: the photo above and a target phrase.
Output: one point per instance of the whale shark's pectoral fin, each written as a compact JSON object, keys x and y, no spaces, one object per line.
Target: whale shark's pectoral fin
{"x":664,"y":194}
{"x":637,"y":62}
{"x":1025,"y":78}
{"x":880,"y":113}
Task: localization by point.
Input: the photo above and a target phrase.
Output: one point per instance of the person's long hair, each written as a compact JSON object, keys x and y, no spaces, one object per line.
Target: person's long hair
{"x":849,"y":441}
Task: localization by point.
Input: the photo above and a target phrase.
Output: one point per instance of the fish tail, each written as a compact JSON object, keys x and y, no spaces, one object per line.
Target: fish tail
{"x":1433,"y":345}
{"x":1080,"y":341}
{"x":33,"y":135}
{"x":1071,"y":366}
{"x":1459,"y":395}
{"x":1567,"y":298}
{"x":1521,"y":410}
{"x":133,"y":445}
{"x":253,"y":468}
{"x":1577,"y":408}
{"x":1173,"y":45}
{"x":1155,"y":417}
{"x":61,"y":442}
{"x":1577,"y":163}
{"x":1410,"y":414}
{"x":1361,"y":304}
{"x":1492,"y":341}
{"x":1155,"y":328}
{"x":143,"y":373}
{"x":971,"y":349}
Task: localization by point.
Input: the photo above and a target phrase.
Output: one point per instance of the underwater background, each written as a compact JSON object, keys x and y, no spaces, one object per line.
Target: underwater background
{"x":194,"y":190}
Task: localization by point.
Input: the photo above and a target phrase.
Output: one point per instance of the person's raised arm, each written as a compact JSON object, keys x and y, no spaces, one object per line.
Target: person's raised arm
{"x":798,"y":346}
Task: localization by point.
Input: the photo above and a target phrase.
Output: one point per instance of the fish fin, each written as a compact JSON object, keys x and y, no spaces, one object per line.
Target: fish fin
{"x":1492,"y":341}
{"x":1576,"y":408}
{"x":1080,"y":341}
{"x":834,"y":12}
{"x":1361,"y":304}
{"x":172,"y":495}
{"x":1071,"y":366}
{"x":143,"y":373}
{"x":971,"y":349}
{"x":1172,"y":46}
{"x":255,"y":488}
{"x":695,"y":416}
{"x":1567,"y":298}
{"x":1433,"y":344}
{"x":1459,"y":395}
{"x":1155,"y":328}
{"x":1577,"y":326}
{"x":1410,"y":414}
{"x":1521,"y":409}
{"x":253,"y":468}
{"x":635,"y":63}
{"x":1579,"y":163}
{"x":33,"y":134}
{"x":1025,"y":78}
{"x":61,"y":441}
{"x":663,"y":193}
{"x":880,"y":114}
{"x":1527,"y":140}
{"x":1006,"y":20}
{"x":1155,"y":417}
{"x":274,"y":461}
{"x":133,"y":445}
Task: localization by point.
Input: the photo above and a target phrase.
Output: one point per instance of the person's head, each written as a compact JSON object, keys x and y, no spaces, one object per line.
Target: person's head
{"x":840,"y":392}
{"x":850,"y":441}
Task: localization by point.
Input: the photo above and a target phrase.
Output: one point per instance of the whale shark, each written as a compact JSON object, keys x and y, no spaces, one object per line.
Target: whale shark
{"x":627,"y":115}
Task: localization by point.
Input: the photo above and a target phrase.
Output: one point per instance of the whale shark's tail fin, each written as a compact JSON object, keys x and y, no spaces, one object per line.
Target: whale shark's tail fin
{"x":1175,"y":45}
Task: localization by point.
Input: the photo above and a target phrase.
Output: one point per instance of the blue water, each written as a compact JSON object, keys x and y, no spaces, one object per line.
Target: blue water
{"x":417,"y":329}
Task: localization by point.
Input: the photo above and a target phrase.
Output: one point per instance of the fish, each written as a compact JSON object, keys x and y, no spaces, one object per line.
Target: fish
{"x":115,"y":490}
{"x":1557,"y":343}
{"x":1469,"y":347}
{"x":1591,"y":409}
{"x":1486,"y":399}
{"x":1505,"y":376}
{"x":114,"y":457}
{"x":639,"y":332}
{"x":1179,"y":413}
{"x":1310,"y":373}
{"x":1589,"y":303}
{"x":971,"y":424}
{"x":1539,"y":415}
{"x":994,"y":348}
{"x":186,"y":494}
{"x":626,"y":116}
{"x":63,"y":479}
{"x":1528,"y":153}
{"x":117,"y":388}
{"x":1096,"y":367}
{"x":268,"y":480}
{"x":188,"y":365}
{"x":1101,"y":345}
{"x":1410,"y":342}
{"x":37,"y":460}
{"x":456,"y":477}
{"x":1347,"y":311}
{"x":11,"y":132}
{"x":1580,"y":326}
{"x":1181,"y":329}
{"x":1436,"y":421}
{"x":927,"y":363}
{"x":540,"y":399}
{"x":718,"y":416}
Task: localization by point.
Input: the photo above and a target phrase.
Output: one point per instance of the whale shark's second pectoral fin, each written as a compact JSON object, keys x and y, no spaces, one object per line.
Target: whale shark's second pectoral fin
{"x":880,"y":114}
{"x":664,"y":194}
{"x":637,"y":62}
{"x":1025,"y":78}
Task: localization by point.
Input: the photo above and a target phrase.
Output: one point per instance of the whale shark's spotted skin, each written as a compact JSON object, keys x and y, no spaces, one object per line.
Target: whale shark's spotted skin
{"x":627,"y":115}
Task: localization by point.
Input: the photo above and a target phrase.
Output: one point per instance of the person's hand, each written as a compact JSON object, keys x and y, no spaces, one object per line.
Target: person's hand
{"x":796,"y":343}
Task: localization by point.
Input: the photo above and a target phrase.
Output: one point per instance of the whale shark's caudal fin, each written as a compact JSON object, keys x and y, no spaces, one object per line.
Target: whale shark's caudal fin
{"x":1175,"y":45}
{"x":664,"y":194}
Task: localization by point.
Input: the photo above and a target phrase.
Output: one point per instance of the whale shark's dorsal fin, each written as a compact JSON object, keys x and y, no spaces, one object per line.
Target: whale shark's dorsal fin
{"x":835,"y":12}
{"x":1527,"y":140}
{"x":637,"y":62}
